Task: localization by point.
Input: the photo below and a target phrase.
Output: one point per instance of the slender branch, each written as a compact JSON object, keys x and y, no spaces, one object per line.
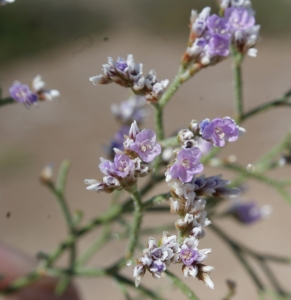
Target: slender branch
{"x":276,"y":184}
{"x":172,"y":89}
{"x":58,"y":191}
{"x":159,"y":121}
{"x":266,"y":106}
{"x":104,"y":236}
{"x":237,"y":74}
{"x":122,"y":288}
{"x":170,"y":142}
{"x":264,"y":162}
{"x":182,"y":286}
{"x":7,"y":101}
{"x":136,"y":223}
{"x":273,"y":280}
{"x":141,"y":288}
{"x":237,"y":252}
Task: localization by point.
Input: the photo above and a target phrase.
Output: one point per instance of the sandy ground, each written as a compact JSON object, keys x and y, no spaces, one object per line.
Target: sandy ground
{"x":79,"y":124}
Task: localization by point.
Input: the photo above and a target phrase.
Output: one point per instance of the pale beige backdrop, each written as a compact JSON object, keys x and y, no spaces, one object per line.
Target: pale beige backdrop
{"x":78,"y":124}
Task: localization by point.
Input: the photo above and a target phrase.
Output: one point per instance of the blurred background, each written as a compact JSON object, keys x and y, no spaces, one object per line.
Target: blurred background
{"x":67,"y":42}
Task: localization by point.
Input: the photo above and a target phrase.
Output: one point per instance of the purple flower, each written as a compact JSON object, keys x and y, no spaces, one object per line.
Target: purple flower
{"x":239,"y":18}
{"x":158,"y":267}
{"x":218,"y":26}
{"x":3,"y":2}
{"x":219,"y":46}
{"x":130,"y":110}
{"x":188,"y":256}
{"x":22,"y":93}
{"x":106,"y":166}
{"x":204,"y":146}
{"x":249,"y":213}
{"x":219,"y":131}
{"x":123,"y":165}
{"x":120,"y":64}
{"x":187,"y":164}
{"x":117,"y":141}
{"x":145,"y":145}
{"x":199,"y":25}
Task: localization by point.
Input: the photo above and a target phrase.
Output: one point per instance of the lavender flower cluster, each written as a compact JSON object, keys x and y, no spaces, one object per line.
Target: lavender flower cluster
{"x":140,"y":148}
{"x":211,"y":35}
{"x":157,"y":258}
{"x":188,"y":201}
{"x":128,"y":111}
{"x":29,"y":96}
{"x":3,"y":2}
{"x":129,"y":74}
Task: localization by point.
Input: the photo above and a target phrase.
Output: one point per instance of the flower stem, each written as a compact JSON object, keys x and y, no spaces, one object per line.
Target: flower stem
{"x":6,"y":101}
{"x":172,"y":89}
{"x":238,"y":85}
{"x":58,"y":191}
{"x":182,"y":286}
{"x":104,"y":236}
{"x":238,"y":253}
{"x":266,"y":106}
{"x":159,"y":121}
{"x":137,"y":219}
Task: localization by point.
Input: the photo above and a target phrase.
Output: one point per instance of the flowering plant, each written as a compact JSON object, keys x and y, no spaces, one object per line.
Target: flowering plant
{"x":179,"y":160}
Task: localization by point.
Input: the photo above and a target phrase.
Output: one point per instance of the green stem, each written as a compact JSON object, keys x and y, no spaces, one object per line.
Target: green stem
{"x":159,"y":121}
{"x":104,"y":236}
{"x":172,"y":89}
{"x":237,"y":252}
{"x":7,"y":101}
{"x":277,"y":185}
{"x":170,"y":142}
{"x":266,"y":106}
{"x":136,"y":223}
{"x":123,"y":289}
{"x":182,"y":286}
{"x":273,"y":280}
{"x":141,"y":288}
{"x":58,"y":191}
{"x":237,"y":74}
{"x":264,"y":162}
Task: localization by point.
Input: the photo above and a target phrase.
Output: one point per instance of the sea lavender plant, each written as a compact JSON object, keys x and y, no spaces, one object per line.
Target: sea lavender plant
{"x":178,"y":159}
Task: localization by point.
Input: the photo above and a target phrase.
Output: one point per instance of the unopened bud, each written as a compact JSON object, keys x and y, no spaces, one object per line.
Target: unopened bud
{"x":46,"y":174}
{"x":134,"y":130}
{"x":185,"y":135}
{"x":194,"y":126}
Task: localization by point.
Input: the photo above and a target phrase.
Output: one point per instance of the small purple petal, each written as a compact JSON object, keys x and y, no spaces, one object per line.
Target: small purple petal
{"x":121,"y":64}
{"x":187,"y":164}
{"x":123,"y":165}
{"x":188,"y":256}
{"x":220,"y":130}
{"x":22,"y":93}
{"x":239,"y":18}
{"x":145,"y":145}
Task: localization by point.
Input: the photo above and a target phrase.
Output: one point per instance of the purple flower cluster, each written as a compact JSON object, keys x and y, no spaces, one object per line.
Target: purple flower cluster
{"x":249,"y":213}
{"x":3,"y":2}
{"x":186,"y":165}
{"x":219,"y":130}
{"x":22,"y":93}
{"x":243,"y":29}
{"x":129,"y":74}
{"x":129,"y":110}
{"x":140,"y":148}
{"x":211,"y":35}
{"x":210,"y":38}
{"x":224,"y":4}
{"x":156,"y":259}
{"x":117,"y":141}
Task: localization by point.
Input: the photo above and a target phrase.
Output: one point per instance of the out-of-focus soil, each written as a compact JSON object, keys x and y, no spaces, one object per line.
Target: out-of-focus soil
{"x":78,"y":125}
